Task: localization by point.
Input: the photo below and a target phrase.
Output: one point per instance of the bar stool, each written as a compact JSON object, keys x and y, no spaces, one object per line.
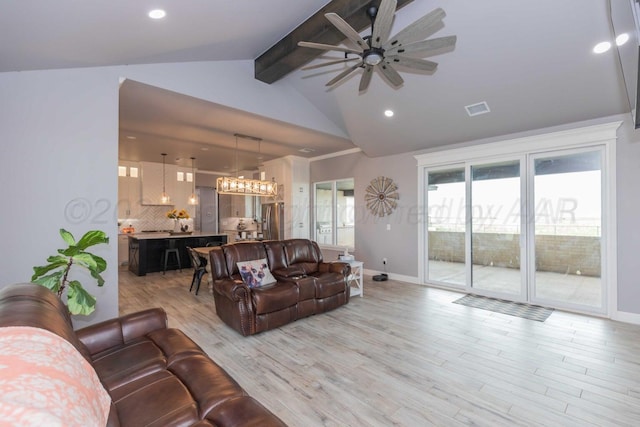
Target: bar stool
{"x":170,"y":248}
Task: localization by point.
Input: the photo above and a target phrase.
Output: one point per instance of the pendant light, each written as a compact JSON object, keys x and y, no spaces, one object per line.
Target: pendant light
{"x":193,"y":199}
{"x":246,"y":187}
{"x":164,"y":197}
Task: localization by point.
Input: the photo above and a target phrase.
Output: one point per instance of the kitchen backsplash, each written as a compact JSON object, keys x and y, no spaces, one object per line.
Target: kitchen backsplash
{"x":152,"y":218}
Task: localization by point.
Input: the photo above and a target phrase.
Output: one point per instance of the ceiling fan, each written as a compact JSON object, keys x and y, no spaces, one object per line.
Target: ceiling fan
{"x":381,"y":51}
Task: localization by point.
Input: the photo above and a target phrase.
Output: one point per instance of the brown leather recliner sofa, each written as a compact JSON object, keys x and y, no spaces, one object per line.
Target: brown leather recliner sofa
{"x":305,"y":284}
{"x":154,"y":375}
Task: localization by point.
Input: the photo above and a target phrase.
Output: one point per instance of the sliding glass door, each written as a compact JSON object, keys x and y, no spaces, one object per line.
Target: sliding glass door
{"x":527,"y":228}
{"x":446,"y":225}
{"x":567,"y":235}
{"x":495,"y":229}
{"x":476,"y":219}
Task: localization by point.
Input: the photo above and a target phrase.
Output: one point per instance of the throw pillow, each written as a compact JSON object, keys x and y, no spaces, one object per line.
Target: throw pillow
{"x":45,"y":381}
{"x":256,"y":273}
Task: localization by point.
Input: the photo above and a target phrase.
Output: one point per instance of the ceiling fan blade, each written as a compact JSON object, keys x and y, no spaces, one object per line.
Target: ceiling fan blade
{"x":347,"y":30}
{"x":339,"y":61}
{"x":382,"y":24}
{"x":328,"y":47}
{"x":391,"y":74}
{"x":420,"y":29}
{"x":366,"y":78}
{"x":418,"y":64}
{"x":424,"y":46}
{"x":343,"y":74}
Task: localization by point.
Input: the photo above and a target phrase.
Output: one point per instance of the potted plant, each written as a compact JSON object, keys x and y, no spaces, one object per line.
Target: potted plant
{"x":55,"y":275}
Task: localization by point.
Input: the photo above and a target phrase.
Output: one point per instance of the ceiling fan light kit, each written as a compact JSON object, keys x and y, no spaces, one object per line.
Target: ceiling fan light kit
{"x":383,"y":52}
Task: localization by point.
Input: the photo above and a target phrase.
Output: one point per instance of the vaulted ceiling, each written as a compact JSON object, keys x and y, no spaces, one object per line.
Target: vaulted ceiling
{"x":532,"y":62}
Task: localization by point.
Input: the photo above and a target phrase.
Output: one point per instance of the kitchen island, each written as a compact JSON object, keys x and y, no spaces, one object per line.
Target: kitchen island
{"x":146,"y":250}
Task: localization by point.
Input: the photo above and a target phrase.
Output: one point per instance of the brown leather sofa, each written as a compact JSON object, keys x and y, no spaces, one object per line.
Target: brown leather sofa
{"x":155,"y":375}
{"x":306,"y":285}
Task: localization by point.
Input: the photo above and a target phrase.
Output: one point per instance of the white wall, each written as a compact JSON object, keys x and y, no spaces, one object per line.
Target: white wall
{"x":232,"y":83}
{"x":628,"y":212}
{"x":373,"y":241}
{"x":58,"y":156}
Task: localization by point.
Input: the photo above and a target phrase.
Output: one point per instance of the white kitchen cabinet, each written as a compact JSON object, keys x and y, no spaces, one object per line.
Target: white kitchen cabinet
{"x":129,"y":190}
{"x":236,"y":206}
{"x":183,"y":190}
{"x":123,"y":249}
{"x":152,"y":183}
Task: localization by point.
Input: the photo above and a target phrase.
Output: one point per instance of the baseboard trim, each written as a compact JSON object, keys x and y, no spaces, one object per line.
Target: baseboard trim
{"x":393,"y":276}
{"x":626,"y":317}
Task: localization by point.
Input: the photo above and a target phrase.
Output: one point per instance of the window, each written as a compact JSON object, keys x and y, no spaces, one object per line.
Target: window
{"x":335,"y":213}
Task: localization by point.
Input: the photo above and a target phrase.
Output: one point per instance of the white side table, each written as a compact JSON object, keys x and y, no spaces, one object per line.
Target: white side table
{"x":355,"y":279}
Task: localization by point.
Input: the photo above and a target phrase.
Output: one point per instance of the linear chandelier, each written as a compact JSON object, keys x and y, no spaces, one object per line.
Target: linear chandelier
{"x":244,"y":186}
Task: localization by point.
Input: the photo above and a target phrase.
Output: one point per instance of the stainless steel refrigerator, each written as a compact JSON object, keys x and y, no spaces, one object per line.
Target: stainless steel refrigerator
{"x":273,"y":221}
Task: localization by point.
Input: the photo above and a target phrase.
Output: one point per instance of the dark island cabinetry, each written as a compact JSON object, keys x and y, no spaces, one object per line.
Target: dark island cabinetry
{"x":146,"y":252}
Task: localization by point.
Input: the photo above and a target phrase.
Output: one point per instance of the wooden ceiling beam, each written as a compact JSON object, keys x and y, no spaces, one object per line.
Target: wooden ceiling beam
{"x":285,"y":56}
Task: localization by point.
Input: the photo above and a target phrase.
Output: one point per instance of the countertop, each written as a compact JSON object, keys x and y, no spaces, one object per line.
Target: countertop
{"x":156,"y":235}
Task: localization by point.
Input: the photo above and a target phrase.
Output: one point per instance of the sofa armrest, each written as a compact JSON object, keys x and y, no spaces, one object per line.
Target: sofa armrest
{"x":120,"y":330}
{"x":235,"y":290}
{"x":233,"y":305}
{"x":343,"y":268}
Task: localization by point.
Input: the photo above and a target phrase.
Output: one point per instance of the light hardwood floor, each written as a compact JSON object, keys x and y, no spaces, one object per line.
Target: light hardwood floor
{"x":404,"y":355}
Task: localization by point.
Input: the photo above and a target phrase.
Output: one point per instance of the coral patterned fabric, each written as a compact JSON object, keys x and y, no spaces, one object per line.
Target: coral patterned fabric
{"x":45,"y":381}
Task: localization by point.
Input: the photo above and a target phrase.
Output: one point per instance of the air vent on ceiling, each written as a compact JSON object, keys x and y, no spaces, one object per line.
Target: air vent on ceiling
{"x":477,"y":109}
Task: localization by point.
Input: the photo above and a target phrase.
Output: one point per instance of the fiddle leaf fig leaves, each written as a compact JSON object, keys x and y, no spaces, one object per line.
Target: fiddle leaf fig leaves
{"x":80,"y":301}
{"x":55,"y":275}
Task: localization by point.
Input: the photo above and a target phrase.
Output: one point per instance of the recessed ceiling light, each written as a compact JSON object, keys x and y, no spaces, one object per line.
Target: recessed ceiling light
{"x":205,"y":149}
{"x":602,"y":47}
{"x":306,"y":150}
{"x":131,"y":137}
{"x":388,"y":113}
{"x":622,"y":39}
{"x":157,"y":14}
